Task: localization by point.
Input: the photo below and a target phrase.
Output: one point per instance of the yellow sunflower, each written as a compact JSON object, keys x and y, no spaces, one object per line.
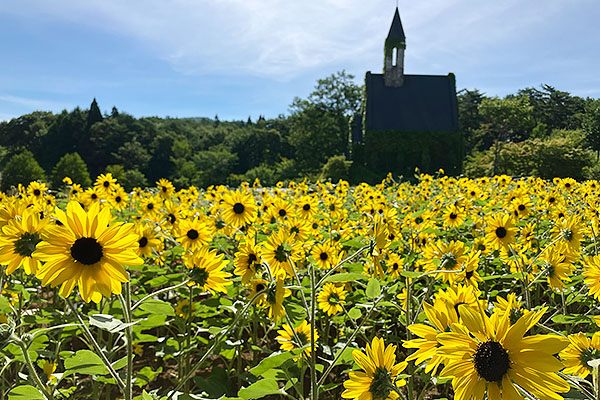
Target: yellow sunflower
{"x":591,"y":272}
{"x":18,"y":239}
{"x":194,"y":233}
{"x":88,"y":250}
{"x":379,"y":381}
{"x":331,"y":299}
{"x":280,"y":252}
{"x":165,"y":188}
{"x":489,"y":355}
{"x":290,"y":339}
{"x":239,"y":208}
{"x":580,"y":350}
{"x":500,"y":232}
{"x":207,"y":270}
{"x":247,"y":260}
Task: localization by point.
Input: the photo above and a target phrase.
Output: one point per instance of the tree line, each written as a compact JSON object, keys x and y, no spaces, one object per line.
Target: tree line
{"x":533,"y":132}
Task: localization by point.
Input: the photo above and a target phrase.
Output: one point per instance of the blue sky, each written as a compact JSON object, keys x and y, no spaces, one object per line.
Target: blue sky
{"x":234,"y":58}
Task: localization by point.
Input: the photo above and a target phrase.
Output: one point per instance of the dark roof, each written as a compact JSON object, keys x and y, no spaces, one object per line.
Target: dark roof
{"x":423,"y":103}
{"x":396,"y":31}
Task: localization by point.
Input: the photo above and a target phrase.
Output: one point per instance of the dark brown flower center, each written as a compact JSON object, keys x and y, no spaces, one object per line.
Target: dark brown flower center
{"x":501,"y":232}
{"x":491,"y":361}
{"x":238,"y":208}
{"x":143,"y":241}
{"x":323,"y":256}
{"x":86,"y":251}
{"x":192,"y":234}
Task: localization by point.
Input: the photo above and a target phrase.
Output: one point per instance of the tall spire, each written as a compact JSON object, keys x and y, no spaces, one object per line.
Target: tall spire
{"x":395,"y":44}
{"x":396,"y":31}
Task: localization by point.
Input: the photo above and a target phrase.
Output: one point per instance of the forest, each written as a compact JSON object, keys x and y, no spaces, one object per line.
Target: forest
{"x":537,"y":131}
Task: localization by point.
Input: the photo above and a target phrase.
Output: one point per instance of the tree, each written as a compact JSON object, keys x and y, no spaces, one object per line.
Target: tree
{"x":591,"y":125}
{"x":337,"y":93}
{"x":21,"y":168}
{"x":94,"y":115}
{"x":506,"y":119}
{"x":469,"y":119}
{"x":73,"y":166}
{"x":317,"y":134}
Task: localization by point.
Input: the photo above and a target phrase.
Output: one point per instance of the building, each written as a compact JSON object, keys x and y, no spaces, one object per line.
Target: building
{"x":406,"y":121}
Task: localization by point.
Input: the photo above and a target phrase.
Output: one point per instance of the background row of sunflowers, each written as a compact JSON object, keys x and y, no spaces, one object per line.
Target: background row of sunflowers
{"x":479,"y":288}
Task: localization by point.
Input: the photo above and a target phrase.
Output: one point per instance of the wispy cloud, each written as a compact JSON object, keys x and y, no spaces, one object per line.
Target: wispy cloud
{"x":282,"y":39}
{"x":38,"y":104}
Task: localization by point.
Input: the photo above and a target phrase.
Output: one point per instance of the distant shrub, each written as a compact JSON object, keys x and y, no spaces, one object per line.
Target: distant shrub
{"x":134,"y":178}
{"x":562,"y":154}
{"x":336,"y":168}
{"x":73,"y":166}
{"x":21,"y":168}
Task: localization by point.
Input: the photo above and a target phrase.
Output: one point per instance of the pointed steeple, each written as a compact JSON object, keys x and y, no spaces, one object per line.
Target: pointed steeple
{"x":396,"y":31}
{"x":395,"y":44}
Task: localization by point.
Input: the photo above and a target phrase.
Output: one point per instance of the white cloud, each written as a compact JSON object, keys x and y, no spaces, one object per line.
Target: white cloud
{"x":37,"y":104}
{"x":282,"y":39}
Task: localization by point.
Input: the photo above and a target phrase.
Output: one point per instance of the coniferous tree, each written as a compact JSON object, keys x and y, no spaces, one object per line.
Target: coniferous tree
{"x":94,"y":114}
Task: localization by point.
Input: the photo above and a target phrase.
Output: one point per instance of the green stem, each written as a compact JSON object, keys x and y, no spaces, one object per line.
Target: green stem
{"x":140,"y":302}
{"x":126,"y":303}
{"x":314,"y":388}
{"x":96,"y":346}
{"x":47,"y":394}
{"x":350,"y":339}
{"x":216,"y":342}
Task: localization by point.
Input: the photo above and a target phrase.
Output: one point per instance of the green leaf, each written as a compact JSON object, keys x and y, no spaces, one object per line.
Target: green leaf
{"x":571,"y":319}
{"x":153,"y":306}
{"x":296,"y":312}
{"x":345,"y":277}
{"x":25,"y":392}
{"x":109,"y":323}
{"x":411,"y":274}
{"x":117,"y":365}
{"x":85,"y":362}
{"x":373,"y":288}
{"x":273,"y":361}
{"x":260,"y":389}
{"x":355,"y":313}
{"x":4,"y":305}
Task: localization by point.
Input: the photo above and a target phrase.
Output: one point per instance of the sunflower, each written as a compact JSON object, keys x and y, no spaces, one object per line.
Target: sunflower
{"x":279,"y":252}
{"x":207,"y":270}
{"x":580,"y":350}
{"x":194,"y":233}
{"x":426,"y":344}
{"x":18,"y":240}
{"x":149,"y":209}
{"x":75,"y":191}
{"x":447,"y":258}
{"x":380,"y":380}
{"x":395,"y":264}
{"x":326,"y":254}
{"x":119,"y":198}
{"x":183,"y":309}
{"x":591,"y":272}
{"x":491,"y":355}
{"x":453,"y":217}
{"x":88,"y":250}
{"x":256,"y":286}
{"x":331,"y":299}
{"x":291,"y":339}
{"x":239,"y":208}
{"x":105,"y":184}
{"x":165,"y":188}
{"x":568,"y":232}
{"x":280,"y":210}
{"x":306,"y":207}
{"x":500,"y":232}
{"x":556,"y":268}
{"x":147,"y":241}
{"x":273,"y":300}
{"x":49,"y":368}
{"x":247,"y":260}
{"x":36,"y":190}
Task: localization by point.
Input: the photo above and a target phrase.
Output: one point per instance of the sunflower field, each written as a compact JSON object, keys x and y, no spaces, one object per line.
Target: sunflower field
{"x":442,"y":288}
